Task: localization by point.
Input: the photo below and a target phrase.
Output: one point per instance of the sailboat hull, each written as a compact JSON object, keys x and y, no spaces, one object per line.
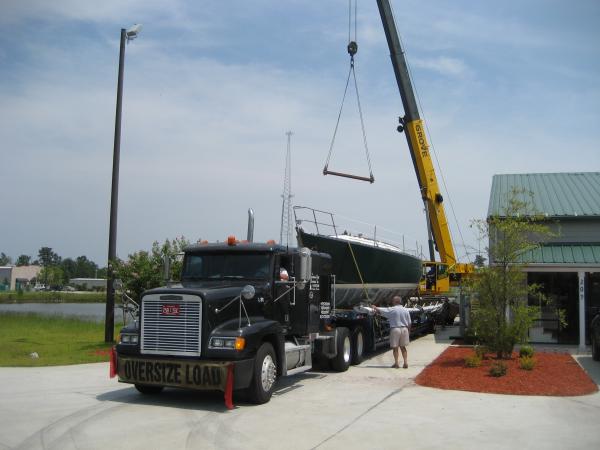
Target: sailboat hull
{"x":365,"y":272}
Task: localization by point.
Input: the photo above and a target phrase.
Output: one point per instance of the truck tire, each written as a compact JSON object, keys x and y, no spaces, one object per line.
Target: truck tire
{"x":148,"y":389}
{"x":343,"y":345}
{"x":265,"y":373}
{"x":358,"y":345}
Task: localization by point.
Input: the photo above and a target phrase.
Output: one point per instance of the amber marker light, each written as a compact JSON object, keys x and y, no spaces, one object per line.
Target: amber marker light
{"x":231,"y":240}
{"x":240,"y":343}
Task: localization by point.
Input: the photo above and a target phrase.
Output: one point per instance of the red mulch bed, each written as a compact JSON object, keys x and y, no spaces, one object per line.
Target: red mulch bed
{"x":556,"y":374}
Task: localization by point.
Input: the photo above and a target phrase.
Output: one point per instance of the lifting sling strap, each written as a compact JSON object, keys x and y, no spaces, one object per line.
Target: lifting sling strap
{"x":352,"y":50}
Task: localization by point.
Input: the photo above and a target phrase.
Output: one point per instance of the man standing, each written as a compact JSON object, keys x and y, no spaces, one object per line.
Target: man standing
{"x":400,"y":322}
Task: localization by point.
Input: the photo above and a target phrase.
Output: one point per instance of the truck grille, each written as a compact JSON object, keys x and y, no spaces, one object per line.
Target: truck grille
{"x":171,"y":325}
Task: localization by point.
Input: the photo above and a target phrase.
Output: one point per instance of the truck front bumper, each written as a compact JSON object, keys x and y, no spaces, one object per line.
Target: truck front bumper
{"x":183,"y":373}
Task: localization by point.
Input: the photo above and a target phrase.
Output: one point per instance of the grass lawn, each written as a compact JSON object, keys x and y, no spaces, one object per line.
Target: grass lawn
{"x":57,"y":340}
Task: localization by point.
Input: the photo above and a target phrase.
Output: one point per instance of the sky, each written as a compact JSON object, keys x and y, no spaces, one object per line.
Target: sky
{"x":212,"y":87}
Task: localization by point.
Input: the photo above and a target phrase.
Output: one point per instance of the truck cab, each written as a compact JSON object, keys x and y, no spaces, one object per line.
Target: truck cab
{"x":252,"y":311}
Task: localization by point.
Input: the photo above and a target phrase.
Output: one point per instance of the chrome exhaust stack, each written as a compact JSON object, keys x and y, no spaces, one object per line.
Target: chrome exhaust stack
{"x":250,"y":236}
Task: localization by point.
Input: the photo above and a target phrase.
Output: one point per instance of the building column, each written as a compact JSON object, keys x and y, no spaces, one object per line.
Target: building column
{"x":581,"y":276}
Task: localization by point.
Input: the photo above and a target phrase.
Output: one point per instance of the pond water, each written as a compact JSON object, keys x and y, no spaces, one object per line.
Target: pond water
{"x":86,"y":311}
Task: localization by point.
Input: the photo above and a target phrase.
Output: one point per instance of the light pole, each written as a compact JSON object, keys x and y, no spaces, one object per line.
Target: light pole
{"x":109,"y":323}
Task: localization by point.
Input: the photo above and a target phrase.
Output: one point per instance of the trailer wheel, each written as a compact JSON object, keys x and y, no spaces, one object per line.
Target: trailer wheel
{"x":341,"y":362}
{"x":358,"y":345}
{"x":148,"y":389}
{"x":265,"y":372}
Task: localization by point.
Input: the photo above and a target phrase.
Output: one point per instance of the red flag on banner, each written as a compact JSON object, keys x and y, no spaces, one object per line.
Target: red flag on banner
{"x":229,"y":388}
{"x":113,"y":362}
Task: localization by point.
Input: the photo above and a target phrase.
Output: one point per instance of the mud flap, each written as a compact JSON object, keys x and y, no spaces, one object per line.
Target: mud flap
{"x":113,"y":363}
{"x":229,"y":387}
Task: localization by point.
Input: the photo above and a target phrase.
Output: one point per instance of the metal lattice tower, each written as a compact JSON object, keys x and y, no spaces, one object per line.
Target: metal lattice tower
{"x":285,"y":236}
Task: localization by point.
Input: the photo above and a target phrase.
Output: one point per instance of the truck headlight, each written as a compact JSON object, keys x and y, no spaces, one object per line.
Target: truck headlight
{"x":228,"y":343}
{"x":129,"y":338}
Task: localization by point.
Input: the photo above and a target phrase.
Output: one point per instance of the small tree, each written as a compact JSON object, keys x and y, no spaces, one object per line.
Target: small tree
{"x":49,"y":260}
{"x":5,"y":260}
{"x":479,"y":261}
{"x":47,"y":257}
{"x":52,"y":276}
{"x":23,"y":260}
{"x":144,"y":270}
{"x":502,"y":316}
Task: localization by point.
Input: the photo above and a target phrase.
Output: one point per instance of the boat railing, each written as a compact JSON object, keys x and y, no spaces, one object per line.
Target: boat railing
{"x":314,"y":221}
{"x":323,"y":223}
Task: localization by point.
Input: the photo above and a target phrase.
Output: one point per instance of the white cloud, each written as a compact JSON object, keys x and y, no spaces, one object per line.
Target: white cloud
{"x":14,"y":11}
{"x":444,"y":65}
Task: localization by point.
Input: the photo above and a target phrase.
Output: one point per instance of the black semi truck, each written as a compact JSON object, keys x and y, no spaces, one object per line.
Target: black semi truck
{"x":243,"y":315}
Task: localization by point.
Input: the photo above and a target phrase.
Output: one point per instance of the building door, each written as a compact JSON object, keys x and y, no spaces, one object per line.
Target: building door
{"x":592,"y":301}
{"x":561,"y":290}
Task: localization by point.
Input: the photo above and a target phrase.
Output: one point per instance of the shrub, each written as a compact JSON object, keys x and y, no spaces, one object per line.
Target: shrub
{"x":498,"y":369}
{"x":473,"y":361}
{"x":526,"y":363}
{"x":480,"y":351}
{"x":526,"y":350}
{"x":52,"y":297}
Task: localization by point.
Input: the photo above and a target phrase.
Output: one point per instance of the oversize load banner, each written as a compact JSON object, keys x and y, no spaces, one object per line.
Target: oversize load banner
{"x":186,"y":374}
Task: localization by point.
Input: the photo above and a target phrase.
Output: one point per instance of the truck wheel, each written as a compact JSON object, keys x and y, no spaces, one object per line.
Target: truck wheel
{"x":147,"y":389}
{"x":341,"y":362}
{"x":320,"y":362}
{"x":595,"y":346}
{"x":358,"y":345}
{"x":265,"y":372}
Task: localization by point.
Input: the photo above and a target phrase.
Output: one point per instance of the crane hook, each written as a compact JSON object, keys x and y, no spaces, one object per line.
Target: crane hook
{"x":352,"y":48}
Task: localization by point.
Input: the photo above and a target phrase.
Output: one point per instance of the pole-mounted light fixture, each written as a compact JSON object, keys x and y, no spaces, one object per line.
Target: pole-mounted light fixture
{"x":133,"y":32}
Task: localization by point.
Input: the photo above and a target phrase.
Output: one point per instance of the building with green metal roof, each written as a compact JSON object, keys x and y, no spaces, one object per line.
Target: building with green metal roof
{"x":567,"y":264}
{"x":557,"y":195}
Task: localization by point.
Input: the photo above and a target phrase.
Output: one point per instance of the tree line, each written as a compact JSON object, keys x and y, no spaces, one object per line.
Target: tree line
{"x":57,"y":271}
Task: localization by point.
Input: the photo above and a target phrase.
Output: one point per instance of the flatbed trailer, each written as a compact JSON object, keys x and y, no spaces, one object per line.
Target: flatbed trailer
{"x":244,"y":315}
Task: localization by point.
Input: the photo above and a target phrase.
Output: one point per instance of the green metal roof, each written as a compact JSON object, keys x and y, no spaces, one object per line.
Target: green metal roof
{"x":563,"y":254}
{"x":554,"y":194}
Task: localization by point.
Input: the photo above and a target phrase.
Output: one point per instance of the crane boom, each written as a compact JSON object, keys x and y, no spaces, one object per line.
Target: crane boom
{"x":414,"y":128}
{"x":438,"y":276}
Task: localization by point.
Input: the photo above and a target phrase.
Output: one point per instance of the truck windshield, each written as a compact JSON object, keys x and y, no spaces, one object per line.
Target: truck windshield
{"x":214,"y":266}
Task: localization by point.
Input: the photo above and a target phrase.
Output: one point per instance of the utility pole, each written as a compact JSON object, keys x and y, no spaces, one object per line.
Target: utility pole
{"x":109,"y":322}
{"x":286,"y":205}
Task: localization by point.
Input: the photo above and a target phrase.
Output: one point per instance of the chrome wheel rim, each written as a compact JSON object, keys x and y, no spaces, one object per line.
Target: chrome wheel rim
{"x":347,"y":349}
{"x":359,"y":344}
{"x":267,"y":373}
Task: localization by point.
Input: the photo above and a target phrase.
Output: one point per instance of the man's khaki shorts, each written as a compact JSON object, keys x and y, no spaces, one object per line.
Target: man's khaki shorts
{"x":399,"y":337}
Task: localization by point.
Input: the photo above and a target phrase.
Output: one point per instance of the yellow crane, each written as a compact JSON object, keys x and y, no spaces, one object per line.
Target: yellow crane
{"x":438,"y":276}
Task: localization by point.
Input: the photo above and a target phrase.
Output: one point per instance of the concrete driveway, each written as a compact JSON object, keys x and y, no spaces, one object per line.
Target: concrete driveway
{"x":370,"y":406}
